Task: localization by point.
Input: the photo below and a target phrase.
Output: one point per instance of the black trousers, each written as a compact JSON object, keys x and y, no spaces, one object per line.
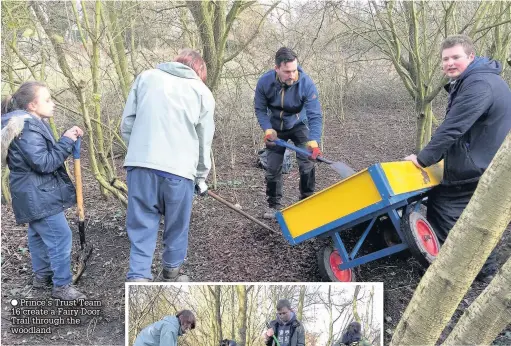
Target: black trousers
{"x":445,"y":205}
{"x":299,"y":135}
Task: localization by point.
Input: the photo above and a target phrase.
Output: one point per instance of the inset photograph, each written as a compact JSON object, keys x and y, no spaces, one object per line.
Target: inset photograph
{"x":254,"y":314}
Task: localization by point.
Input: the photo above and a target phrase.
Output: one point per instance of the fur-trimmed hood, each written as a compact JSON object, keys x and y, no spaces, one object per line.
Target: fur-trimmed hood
{"x":12,"y":126}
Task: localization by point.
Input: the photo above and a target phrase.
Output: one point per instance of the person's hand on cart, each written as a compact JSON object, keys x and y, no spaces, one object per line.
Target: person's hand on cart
{"x":413,"y":158}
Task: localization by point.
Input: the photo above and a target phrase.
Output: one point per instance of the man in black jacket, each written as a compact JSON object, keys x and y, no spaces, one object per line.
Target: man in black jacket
{"x":478,"y":118}
{"x":286,"y":328}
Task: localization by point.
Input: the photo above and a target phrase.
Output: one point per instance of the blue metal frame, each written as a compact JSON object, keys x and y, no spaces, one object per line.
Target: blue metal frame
{"x":389,"y":205}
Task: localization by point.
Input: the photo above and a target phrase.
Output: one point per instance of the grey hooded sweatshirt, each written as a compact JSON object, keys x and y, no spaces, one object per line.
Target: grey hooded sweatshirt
{"x":161,"y":333}
{"x":291,"y":333}
{"x":167,"y":122}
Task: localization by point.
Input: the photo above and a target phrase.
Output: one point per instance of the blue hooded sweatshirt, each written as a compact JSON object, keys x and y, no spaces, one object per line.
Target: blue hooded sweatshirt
{"x":283,"y":107}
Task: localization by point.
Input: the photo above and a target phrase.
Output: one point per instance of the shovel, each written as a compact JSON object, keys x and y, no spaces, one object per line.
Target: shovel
{"x":223,"y":201}
{"x":277,"y":343}
{"x":85,"y":249}
{"x":340,"y":167}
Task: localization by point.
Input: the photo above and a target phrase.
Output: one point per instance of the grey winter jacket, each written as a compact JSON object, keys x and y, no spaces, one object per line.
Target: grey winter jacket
{"x":38,"y":180}
{"x":297,"y":332}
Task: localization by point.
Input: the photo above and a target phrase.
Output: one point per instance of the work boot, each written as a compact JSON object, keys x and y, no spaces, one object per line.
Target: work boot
{"x":269,"y":213}
{"x":43,"y":282}
{"x":307,"y":184}
{"x":67,"y":292}
{"x":138,"y":280}
{"x":172,"y":275}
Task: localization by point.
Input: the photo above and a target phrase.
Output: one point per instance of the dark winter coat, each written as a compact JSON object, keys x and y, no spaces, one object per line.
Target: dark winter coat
{"x":478,"y":118}
{"x":38,"y":180}
{"x":297,"y":332}
{"x":283,"y":107}
{"x":353,"y":336}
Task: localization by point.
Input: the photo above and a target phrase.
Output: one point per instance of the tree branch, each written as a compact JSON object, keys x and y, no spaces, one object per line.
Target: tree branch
{"x":235,"y":54}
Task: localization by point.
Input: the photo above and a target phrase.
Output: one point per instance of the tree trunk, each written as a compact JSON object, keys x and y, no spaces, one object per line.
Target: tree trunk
{"x":301,"y":302}
{"x":368,"y":321}
{"x":424,"y":124}
{"x":218,"y":313}
{"x":488,"y":315}
{"x":330,"y":309}
{"x":467,"y":247}
{"x":115,"y":57}
{"x":242,"y":314}
{"x":233,"y":316}
{"x":354,"y":304}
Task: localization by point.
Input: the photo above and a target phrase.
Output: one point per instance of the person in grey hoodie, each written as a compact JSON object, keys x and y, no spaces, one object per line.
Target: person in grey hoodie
{"x":166,"y":331}
{"x":168,"y":127}
{"x":478,"y":118}
{"x":285,"y":328}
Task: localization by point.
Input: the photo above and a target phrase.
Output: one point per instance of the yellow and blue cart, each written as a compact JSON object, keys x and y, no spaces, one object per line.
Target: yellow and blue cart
{"x":384,"y":191}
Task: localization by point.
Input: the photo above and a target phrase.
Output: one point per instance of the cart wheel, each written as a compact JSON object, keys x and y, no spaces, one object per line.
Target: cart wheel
{"x":420,"y":237}
{"x":385,"y":236}
{"x":329,"y":260}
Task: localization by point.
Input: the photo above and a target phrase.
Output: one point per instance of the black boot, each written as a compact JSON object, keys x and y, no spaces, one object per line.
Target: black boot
{"x":307,"y":184}
{"x":274,"y":194}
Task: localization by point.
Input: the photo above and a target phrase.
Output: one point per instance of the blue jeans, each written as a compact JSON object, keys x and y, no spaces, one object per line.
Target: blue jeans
{"x":49,"y":242}
{"x":149,"y":196}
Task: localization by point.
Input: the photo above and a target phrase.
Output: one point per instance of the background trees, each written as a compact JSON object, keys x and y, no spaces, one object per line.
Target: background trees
{"x":241,"y":312}
{"x":89,"y":53}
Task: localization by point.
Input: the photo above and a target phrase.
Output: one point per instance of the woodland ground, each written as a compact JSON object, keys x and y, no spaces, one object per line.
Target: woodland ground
{"x":224,"y":246}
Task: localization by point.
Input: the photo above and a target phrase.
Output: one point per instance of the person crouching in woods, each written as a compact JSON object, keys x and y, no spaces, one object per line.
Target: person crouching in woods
{"x":40,"y":187}
{"x":167,"y":330}
{"x":353,"y":336}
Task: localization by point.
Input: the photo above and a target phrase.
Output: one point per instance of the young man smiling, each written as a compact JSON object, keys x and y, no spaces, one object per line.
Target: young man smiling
{"x":477,"y":120}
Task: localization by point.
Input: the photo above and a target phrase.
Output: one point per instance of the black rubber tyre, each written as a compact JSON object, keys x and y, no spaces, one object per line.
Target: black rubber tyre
{"x":420,"y":237}
{"x":327,"y":258}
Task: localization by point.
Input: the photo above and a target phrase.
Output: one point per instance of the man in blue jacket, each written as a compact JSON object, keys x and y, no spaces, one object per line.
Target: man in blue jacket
{"x":287,"y":107}
{"x":166,"y":331}
{"x":477,"y":120}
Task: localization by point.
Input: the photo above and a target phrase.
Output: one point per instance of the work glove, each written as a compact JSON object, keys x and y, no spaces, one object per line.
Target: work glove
{"x":201,"y":188}
{"x":312,"y":146}
{"x":269,"y":136}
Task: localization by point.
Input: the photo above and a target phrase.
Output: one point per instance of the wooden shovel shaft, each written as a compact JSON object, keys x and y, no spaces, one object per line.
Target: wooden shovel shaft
{"x":223,"y":201}
{"x":79,"y":190}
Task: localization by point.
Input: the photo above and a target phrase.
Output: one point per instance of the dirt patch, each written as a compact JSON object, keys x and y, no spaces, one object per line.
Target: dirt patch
{"x":224,"y":246}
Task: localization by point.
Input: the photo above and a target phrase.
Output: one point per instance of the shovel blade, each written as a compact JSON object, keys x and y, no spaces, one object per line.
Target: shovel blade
{"x":342,"y":169}
{"x":82,"y":258}
{"x":83,"y":254}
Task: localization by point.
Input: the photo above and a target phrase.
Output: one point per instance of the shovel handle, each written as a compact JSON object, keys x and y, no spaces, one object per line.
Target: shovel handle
{"x":283,"y":143}
{"x":223,"y":201}
{"x":78,"y":180}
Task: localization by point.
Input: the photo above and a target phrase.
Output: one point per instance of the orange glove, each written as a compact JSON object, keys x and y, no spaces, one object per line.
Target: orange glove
{"x":314,"y":149}
{"x":269,"y":136}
